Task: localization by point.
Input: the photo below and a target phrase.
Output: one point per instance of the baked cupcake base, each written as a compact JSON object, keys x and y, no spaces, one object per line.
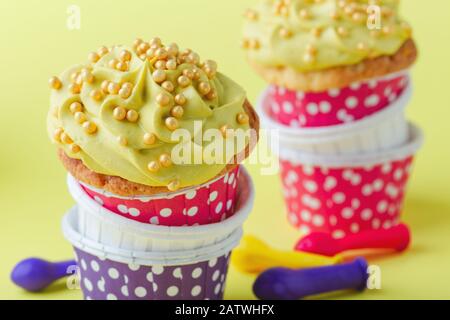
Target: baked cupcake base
{"x":123,"y":187}
{"x":318,"y":81}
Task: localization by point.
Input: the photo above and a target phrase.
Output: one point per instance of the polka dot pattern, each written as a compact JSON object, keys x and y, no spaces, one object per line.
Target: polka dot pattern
{"x":117,"y":281}
{"x":210,"y":203}
{"x":333,"y":107}
{"x":343,"y":201}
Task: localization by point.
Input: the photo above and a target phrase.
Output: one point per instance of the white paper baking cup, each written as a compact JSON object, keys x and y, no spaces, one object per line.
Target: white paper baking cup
{"x":93,"y":229}
{"x":384,"y":130}
{"x":413,"y":143}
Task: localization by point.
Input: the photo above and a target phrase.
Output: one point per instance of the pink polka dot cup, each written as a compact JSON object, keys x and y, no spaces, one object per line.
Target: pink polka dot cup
{"x":335,"y":106}
{"x":122,"y":259}
{"x":344,"y":195}
{"x":208,"y":203}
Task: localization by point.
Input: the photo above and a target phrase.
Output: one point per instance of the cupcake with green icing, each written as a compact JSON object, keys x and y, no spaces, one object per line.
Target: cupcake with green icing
{"x":149,"y":119}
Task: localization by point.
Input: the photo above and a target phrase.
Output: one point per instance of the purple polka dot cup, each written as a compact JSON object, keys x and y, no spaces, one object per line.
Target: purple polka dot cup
{"x":122,"y":259}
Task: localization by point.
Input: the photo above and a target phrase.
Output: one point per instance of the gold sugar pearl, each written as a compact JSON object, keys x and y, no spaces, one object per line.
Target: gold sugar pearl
{"x":342,"y":31}
{"x":316,"y":32}
{"x":78,"y":79}
{"x":125,"y":55}
{"x":311,"y":49}
{"x":93,"y":57}
{"x":119,"y":113}
{"x":132,"y":115}
{"x":122,"y":140}
{"x":160,"y":64}
{"x":184,"y":81}
{"x":171,"y":123}
{"x":304,"y":14}
{"x":225,"y":131}
{"x":242,"y":118}
{"x":211,"y":95}
{"x":55,"y":83}
{"x":122,"y":66}
{"x":361,"y":46}
{"x":96,"y":95}
{"x":113,"y":88}
{"x":163,"y":99}
{"x":88,"y":77}
{"x":308,"y":58}
{"x":168,"y":85}
{"x":251,"y":15}
{"x":150,"y":53}
{"x":143,"y":56}
{"x":387,"y":30}
{"x":127,"y":85}
{"x":171,"y":64}
{"x":65,"y":138}
{"x":173,"y":185}
{"x":254,"y":44}
{"x":196,"y":74}
{"x":89,"y":127}
{"x":161,"y":53}
{"x":124,"y":92}
{"x":204,"y":88}
{"x":113,"y":63}
{"x":80,"y":117}
{"x":180,"y":99}
{"x":74,"y":77}
{"x":75,"y":107}
{"x":153,"y":166}
{"x":143,"y":47}
{"x":149,"y":138}
{"x":357,"y":17}
{"x":177,"y":111}
{"x":188,"y":73}
{"x":74,"y":88}
{"x":193,"y":58}
{"x":165,"y":160}
{"x":159,"y":76}
{"x":102,"y":51}
{"x":137,"y":42}
{"x":245,"y":43}
{"x":57,"y":134}
{"x":74,"y":148}
{"x":334,"y":15}
{"x":104,"y":86}
{"x":285,"y":33}
{"x":155,"y":41}
{"x":172,"y":49}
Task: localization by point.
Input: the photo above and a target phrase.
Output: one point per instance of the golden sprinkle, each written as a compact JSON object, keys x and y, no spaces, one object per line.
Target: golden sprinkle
{"x":211,"y":95}
{"x":153,"y":166}
{"x":171,"y":64}
{"x":165,"y":160}
{"x":184,"y":81}
{"x":113,"y":88}
{"x":180,"y":99}
{"x":251,"y":15}
{"x":104,"y":86}
{"x":254,"y":44}
{"x":204,"y":88}
{"x":225,"y":130}
{"x":285,"y":33}
{"x":122,"y":66}
{"x":80,"y":117}
{"x":125,"y":55}
{"x":127,"y":85}
{"x":177,"y":111}
{"x":171,"y":123}
{"x":113,"y":63}
{"x":163,"y":99}
{"x":119,"y":113}
{"x":342,"y":31}
{"x":149,"y":138}
{"x":143,"y":47}
{"x":57,"y":134}
{"x":168,"y":85}
{"x":74,"y":148}
{"x":308,"y":57}
{"x":55,"y":83}
{"x":102,"y":51}
{"x":304,"y":14}
{"x":96,"y":95}
{"x":316,"y":32}
{"x":65,"y":138}
{"x":155,"y":41}
{"x":75,"y":107}
{"x":173,"y":185}
{"x":74,"y":88}
{"x":188,"y":73}
{"x":89,"y":127}
{"x":242,"y":118}
{"x":160,"y":64}
{"x":122,"y":140}
{"x":132,"y":115}
{"x":137,"y":42}
{"x":159,"y":76}
{"x":161,"y":53}
{"x":93,"y":57}
{"x":172,"y":49}
{"x":124,"y":92}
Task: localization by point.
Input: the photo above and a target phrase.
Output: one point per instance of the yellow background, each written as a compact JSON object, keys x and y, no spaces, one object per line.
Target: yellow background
{"x":37,"y":44}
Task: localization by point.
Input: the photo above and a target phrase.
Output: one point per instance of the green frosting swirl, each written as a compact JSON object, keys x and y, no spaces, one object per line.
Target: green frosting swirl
{"x":308,"y":35}
{"x":102,"y":151}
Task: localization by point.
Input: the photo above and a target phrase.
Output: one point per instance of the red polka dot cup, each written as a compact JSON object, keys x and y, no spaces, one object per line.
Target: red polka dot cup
{"x":122,"y":259}
{"x":385,"y":129}
{"x":336,"y":106}
{"x":208,"y":203}
{"x":341,"y":195}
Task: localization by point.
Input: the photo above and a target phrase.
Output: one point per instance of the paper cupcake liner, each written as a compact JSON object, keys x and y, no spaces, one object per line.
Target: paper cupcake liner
{"x":346,"y":195}
{"x":335,"y":106}
{"x":208,"y":203}
{"x":384,"y":130}
{"x":104,"y":279}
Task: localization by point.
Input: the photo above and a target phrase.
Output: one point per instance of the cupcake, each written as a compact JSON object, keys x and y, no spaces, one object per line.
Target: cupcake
{"x":131,"y":124}
{"x":152,"y":138}
{"x":326,"y":61}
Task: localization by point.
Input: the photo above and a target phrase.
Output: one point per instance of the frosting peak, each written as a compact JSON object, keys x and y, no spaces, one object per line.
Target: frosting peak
{"x":309,"y":35}
{"x":118,"y":112}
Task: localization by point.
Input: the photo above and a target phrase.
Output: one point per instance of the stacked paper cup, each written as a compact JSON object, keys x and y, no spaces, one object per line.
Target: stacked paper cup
{"x":156,"y":214}
{"x":345,"y":148}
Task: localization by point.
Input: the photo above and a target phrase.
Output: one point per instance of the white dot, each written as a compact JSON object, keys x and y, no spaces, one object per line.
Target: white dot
{"x":111,"y":296}
{"x":354,"y":227}
{"x":318,"y":220}
{"x":149,"y":277}
{"x":101,"y":284}
{"x":378,"y":184}
{"x":113,"y":273}
{"x":312,"y":108}
{"x":330,"y":183}
{"x":387,"y":224}
{"x":334,"y":92}
{"x":355,"y":180}
{"x":217,"y":288}
{"x":196,"y":273}
{"x":288,"y":107}
{"x":95,"y":266}
{"x":219,"y":207}
{"x":308,"y":170}
{"x":366,"y":214}
{"x":192,"y":211}
{"x":83,"y":264}
{"x":347,"y":213}
{"x":140,"y":292}
{"x":351,"y":102}
{"x":155,"y":287}
{"x":154,"y":220}
{"x":347,"y":174}
{"x":134,"y":212}
{"x":355,"y":203}
{"x":398,"y":174}
{"x":158,"y":269}
{"x":212,"y":262}
{"x":355,"y":85}
{"x":372,"y":101}
{"x":325,"y":107}
{"x":382,"y":206}
{"x":338,"y":234}
{"x":133,"y":266}
{"x":229,"y":204}
{"x":191,"y":194}
{"x":310,"y":186}
{"x":213,"y":196}
{"x":172,"y":291}
{"x":166,"y":212}
{"x":177,"y":273}
{"x":216,"y":275}
{"x":87,"y":284}
{"x":293,"y":218}
{"x":124,"y":291}
{"x":305,"y":215}
{"x":98,"y":200}
{"x":196,"y":291}
{"x":338,"y":197}
{"x":367,"y":190}
{"x":304,"y":230}
{"x":386,"y":168}
{"x":122,"y":208}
